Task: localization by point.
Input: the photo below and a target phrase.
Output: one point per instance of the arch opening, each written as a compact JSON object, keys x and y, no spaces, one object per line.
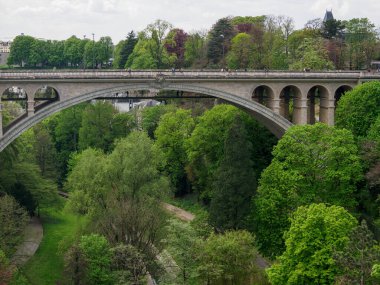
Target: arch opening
{"x":290,"y":97}
{"x":340,"y":91}
{"x":263,"y":95}
{"x":45,"y":96}
{"x":317,"y":99}
{"x":14,"y":102}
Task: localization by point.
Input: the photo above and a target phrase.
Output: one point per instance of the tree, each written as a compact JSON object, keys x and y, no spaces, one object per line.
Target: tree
{"x":359,"y":108}
{"x":6,"y":270}
{"x":173,"y":130}
{"x":181,"y":240}
{"x":20,"y":50}
{"x":314,"y":233}
{"x":358,"y":256}
{"x":104,"y":50}
{"x":311,"y":164}
{"x":311,"y":55}
{"x":234,"y":181}
{"x":332,"y":28}
{"x":195,"y":50}
{"x":219,"y":37}
{"x":96,"y":126}
{"x":175,"y":44}
{"x":97,"y":255}
{"x":151,"y":116}
{"x":73,"y":51}
{"x":122,"y":124}
{"x":124,"y":49}
{"x":241,"y":51}
{"x":13,"y":220}
{"x":227,"y":258}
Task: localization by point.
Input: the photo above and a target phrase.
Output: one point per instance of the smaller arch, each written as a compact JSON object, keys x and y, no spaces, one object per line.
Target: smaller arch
{"x":317,"y":99}
{"x":45,"y":96}
{"x":339,"y":92}
{"x":263,"y":94}
{"x":289,"y":97}
{"x":14,"y":104}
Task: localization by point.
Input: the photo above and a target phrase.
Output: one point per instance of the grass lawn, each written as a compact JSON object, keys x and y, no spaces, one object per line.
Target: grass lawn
{"x":60,"y":228}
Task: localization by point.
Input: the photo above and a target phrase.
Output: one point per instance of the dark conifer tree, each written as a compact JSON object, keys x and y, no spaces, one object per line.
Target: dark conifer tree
{"x":234,"y":182}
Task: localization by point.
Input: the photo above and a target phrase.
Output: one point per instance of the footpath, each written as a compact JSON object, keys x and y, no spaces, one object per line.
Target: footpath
{"x":32,"y":238}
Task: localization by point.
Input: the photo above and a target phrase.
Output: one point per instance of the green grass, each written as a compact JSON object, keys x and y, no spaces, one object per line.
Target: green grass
{"x":188,"y":203}
{"x":60,"y":230}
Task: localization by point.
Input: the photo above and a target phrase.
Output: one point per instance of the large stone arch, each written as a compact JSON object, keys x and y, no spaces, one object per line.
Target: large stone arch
{"x":274,"y":122}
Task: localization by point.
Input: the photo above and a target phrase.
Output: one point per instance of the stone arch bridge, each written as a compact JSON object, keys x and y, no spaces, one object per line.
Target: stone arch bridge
{"x":276,"y":99}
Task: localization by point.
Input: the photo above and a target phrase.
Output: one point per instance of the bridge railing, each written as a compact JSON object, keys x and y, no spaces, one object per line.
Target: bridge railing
{"x":95,"y":74}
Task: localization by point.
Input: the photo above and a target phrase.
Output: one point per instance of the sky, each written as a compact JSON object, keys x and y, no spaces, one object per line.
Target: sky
{"x":59,"y":19}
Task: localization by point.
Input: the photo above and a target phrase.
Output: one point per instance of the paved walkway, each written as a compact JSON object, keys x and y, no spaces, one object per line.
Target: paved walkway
{"x":32,"y":238}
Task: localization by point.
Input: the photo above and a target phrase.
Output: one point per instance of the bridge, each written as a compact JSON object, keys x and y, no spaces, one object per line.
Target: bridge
{"x":277,"y":99}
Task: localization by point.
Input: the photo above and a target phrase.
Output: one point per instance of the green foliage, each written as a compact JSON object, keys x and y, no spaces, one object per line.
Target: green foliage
{"x":20,"y":50}
{"x":311,"y":54}
{"x":124,"y":49}
{"x":314,"y":163}
{"x":97,"y":255}
{"x":234,"y":181}
{"x":219,"y":36}
{"x":315,"y":232}
{"x":358,"y":256}
{"x":195,"y":50}
{"x":95,"y":130}
{"x":13,"y":219}
{"x":122,"y":125}
{"x":227,"y":258}
{"x":359,"y":108}
{"x":173,"y":130}
{"x":241,"y":51}
{"x":151,"y":116}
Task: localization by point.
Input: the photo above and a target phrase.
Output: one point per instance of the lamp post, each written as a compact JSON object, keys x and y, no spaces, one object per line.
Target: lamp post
{"x":222,"y":36}
{"x":93,"y":51}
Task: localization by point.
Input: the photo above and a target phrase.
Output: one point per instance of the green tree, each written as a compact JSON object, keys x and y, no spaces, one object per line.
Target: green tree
{"x":234,"y":181}
{"x":219,"y":38}
{"x":122,"y":124}
{"x":227,"y":258}
{"x":358,"y":256}
{"x":13,"y":220}
{"x":73,"y":51}
{"x":20,"y":50}
{"x":97,"y":255}
{"x":124,"y":49}
{"x":151,"y":116}
{"x":315,"y":232}
{"x":241,"y":51}
{"x":311,"y":164}
{"x":105,"y":50}
{"x":311,"y":54}
{"x":359,"y":108}
{"x":173,"y":130}
{"x":195,"y":50}
{"x":95,"y":130}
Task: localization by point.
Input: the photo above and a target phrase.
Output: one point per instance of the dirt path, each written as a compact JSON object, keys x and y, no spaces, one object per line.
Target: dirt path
{"x":32,"y":238}
{"x":179,"y":213}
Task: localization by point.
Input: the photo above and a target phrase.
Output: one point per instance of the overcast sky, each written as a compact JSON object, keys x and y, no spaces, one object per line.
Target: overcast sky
{"x":59,"y":19}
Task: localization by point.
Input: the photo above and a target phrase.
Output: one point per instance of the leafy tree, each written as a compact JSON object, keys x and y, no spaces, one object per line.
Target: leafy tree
{"x":195,"y":50}
{"x":219,"y":37}
{"x":122,"y":124}
{"x":75,"y":266}
{"x":332,"y":28}
{"x":311,"y":55}
{"x":311,"y":164}
{"x":227,"y":258}
{"x":315,"y":232}
{"x":359,"y":108}
{"x":173,"y":130}
{"x":175,"y":44}
{"x":241,"y":50}
{"x":97,"y":255}
{"x":358,"y":256}
{"x":234,"y":182}
{"x":95,"y":130}
{"x":182,"y":240}
{"x":151,"y":116}
{"x":20,"y":50}
{"x":128,"y":265}
{"x":73,"y":51}
{"x":105,"y":50}
{"x":13,"y":220}
{"x":84,"y":182}
{"x":124,"y":49}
